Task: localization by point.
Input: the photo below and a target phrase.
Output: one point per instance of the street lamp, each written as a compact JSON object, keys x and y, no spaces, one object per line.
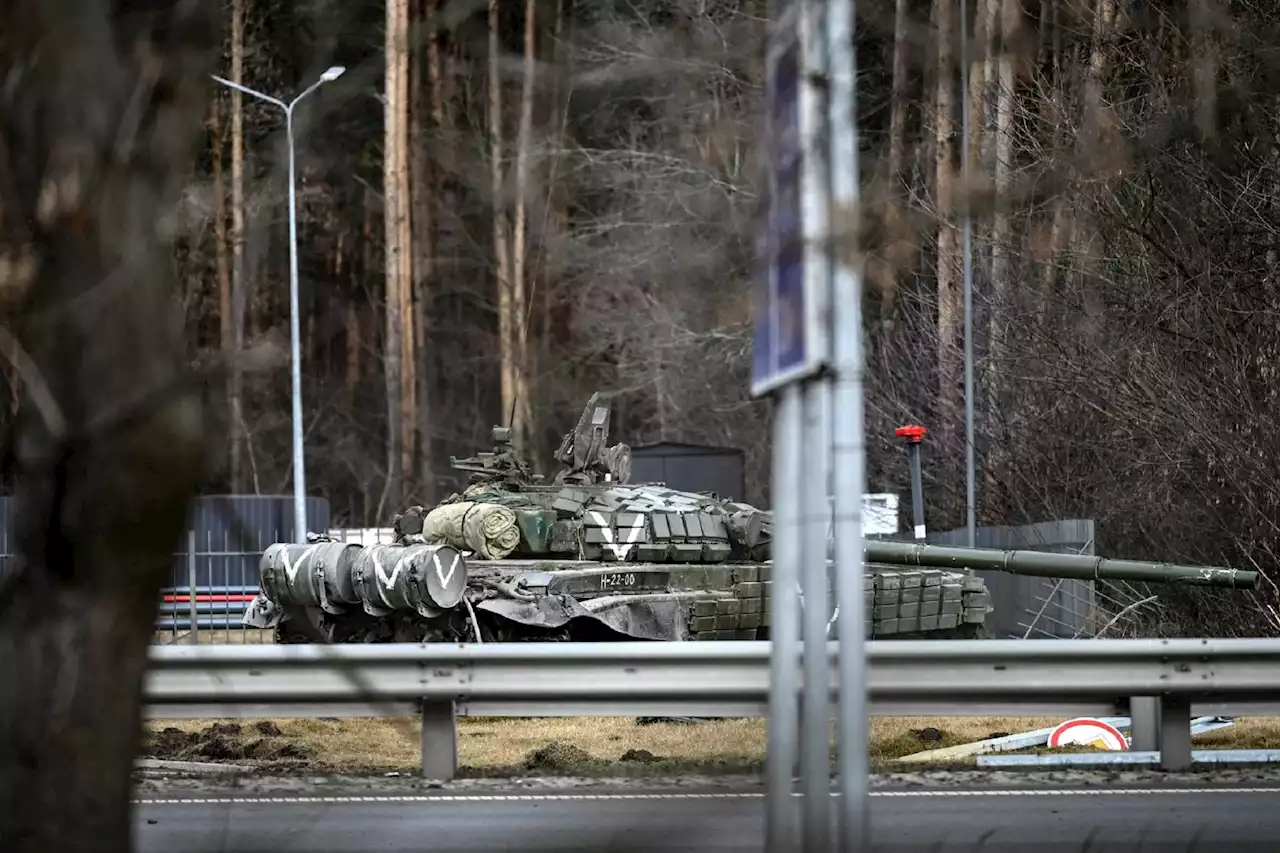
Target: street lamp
{"x":299,"y":469}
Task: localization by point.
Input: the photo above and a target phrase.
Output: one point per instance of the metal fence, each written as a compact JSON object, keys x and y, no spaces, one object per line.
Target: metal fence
{"x":218,"y":558}
{"x":219,"y":561}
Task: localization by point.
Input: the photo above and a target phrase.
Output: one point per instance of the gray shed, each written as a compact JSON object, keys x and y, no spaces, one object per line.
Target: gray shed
{"x":690,"y":467}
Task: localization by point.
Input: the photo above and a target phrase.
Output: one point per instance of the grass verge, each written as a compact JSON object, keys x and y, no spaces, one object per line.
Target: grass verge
{"x":619,"y":746}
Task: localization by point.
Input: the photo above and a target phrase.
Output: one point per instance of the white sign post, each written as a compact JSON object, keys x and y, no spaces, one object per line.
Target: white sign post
{"x":848,"y":447}
{"x":781,"y":356}
{"x":808,"y":354}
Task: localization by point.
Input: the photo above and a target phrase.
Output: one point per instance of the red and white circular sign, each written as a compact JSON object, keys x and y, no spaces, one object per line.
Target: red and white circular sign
{"x":1085,"y":731}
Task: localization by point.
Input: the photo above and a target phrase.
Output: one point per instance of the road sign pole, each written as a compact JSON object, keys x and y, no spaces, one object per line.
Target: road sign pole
{"x":848,"y":446}
{"x":781,"y":823}
{"x":779,"y":356}
{"x":792,"y":357}
{"x":815,"y":708}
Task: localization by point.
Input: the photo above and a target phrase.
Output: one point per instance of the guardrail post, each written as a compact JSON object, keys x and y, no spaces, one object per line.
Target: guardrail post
{"x":439,"y":741}
{"x":1144,"y":716}
{"x":1175,"y":733}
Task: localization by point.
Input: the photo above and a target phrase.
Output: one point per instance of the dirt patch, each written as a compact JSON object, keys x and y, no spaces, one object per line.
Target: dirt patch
{"x":557,"y":756}
{"x":225,"y":742}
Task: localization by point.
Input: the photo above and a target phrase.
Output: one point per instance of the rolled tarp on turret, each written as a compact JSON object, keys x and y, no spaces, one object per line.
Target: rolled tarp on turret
{"x":490,"y":531}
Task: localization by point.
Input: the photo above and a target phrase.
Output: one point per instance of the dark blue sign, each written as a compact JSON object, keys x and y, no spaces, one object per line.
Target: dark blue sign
{"x":781,"y":347}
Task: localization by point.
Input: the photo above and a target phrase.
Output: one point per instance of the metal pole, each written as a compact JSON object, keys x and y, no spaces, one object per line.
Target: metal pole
{"x":815,"y":503}
{"x":784,"y":625}
{"x":848,"y":450}
{"x":295,"y":345}
{"x":970,"y":486}
{"x":295,"y":349}
{"x":914,"y":436}
{"x":815,"y":707}
{"x":192,"y":608}
{"x":917,"y":489}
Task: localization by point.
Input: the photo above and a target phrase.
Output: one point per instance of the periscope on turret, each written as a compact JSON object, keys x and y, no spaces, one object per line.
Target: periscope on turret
{"x":590,"y":556}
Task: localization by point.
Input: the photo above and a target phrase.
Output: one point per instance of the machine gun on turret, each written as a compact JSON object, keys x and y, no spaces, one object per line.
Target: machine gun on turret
{"x":503,"y":464}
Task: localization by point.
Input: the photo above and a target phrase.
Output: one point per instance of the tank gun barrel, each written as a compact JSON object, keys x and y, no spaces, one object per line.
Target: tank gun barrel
{"x":1073,"y":566}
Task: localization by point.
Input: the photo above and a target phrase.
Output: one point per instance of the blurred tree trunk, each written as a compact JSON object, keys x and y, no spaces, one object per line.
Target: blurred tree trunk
{"x":507,"y":317}
{"x":522,"y":425}
{"x":950,"y":295}
{"x":222,"y":267}
{"x":1002,"y":299}
{"x":1098,"y":134}
{"x":898,"y":251}
{"x":355,"y":309}
{"x":98,"y":131}
{"x":982,"y":78}
{"x":1060,"y":226}
{"x":426,"y":120}
{"x":550,"y":301}
{"x":898,"y":93}
{"x":239,"y":286}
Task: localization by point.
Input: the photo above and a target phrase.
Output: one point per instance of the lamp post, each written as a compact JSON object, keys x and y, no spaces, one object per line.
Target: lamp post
{"x":299,"y":468}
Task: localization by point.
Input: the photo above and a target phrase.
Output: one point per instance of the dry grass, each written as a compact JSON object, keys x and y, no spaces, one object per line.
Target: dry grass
{"x":588,"y":745}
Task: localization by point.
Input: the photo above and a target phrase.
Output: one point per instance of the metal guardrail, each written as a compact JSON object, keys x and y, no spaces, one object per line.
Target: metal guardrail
{"x":1159,"y":683}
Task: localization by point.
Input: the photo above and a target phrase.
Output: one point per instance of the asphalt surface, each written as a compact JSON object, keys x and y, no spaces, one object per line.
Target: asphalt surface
{"x":1096,"y":820}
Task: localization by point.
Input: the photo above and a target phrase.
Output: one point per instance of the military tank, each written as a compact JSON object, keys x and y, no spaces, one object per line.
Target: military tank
{"x":592,"y":557}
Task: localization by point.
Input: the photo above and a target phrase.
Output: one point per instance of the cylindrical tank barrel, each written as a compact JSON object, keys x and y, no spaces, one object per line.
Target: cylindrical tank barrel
{"x":1073,"y":566}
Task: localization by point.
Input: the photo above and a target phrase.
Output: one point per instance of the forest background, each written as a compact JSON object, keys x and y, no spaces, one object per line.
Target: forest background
{"x":504,"y":207}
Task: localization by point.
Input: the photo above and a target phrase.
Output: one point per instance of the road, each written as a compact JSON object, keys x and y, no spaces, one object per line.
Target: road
{"x":1193,"y":820}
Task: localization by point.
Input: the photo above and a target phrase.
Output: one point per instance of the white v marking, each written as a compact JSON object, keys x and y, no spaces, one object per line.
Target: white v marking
{"x":440,"y":573}
{"x":390,"y":579}
{"x":623,"y":550}
{"x":291,"y":569}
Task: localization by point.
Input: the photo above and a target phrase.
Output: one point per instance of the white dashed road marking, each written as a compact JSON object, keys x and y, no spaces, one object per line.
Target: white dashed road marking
{"x":515,"y":798}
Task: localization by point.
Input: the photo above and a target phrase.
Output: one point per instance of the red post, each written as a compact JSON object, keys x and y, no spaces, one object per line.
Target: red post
{"x":914,"y":435}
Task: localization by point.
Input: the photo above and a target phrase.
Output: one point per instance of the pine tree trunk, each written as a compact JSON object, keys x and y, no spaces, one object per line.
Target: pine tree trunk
{"x":222,"y":267}
{"x":501,"y":238}
{"x":887,"y":282}
{"x":426,"y":124}
{"x":950,"y":295}
{"x":397,"y":254}
{"x":1000,"y":304}
{"x":522,"y":422}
